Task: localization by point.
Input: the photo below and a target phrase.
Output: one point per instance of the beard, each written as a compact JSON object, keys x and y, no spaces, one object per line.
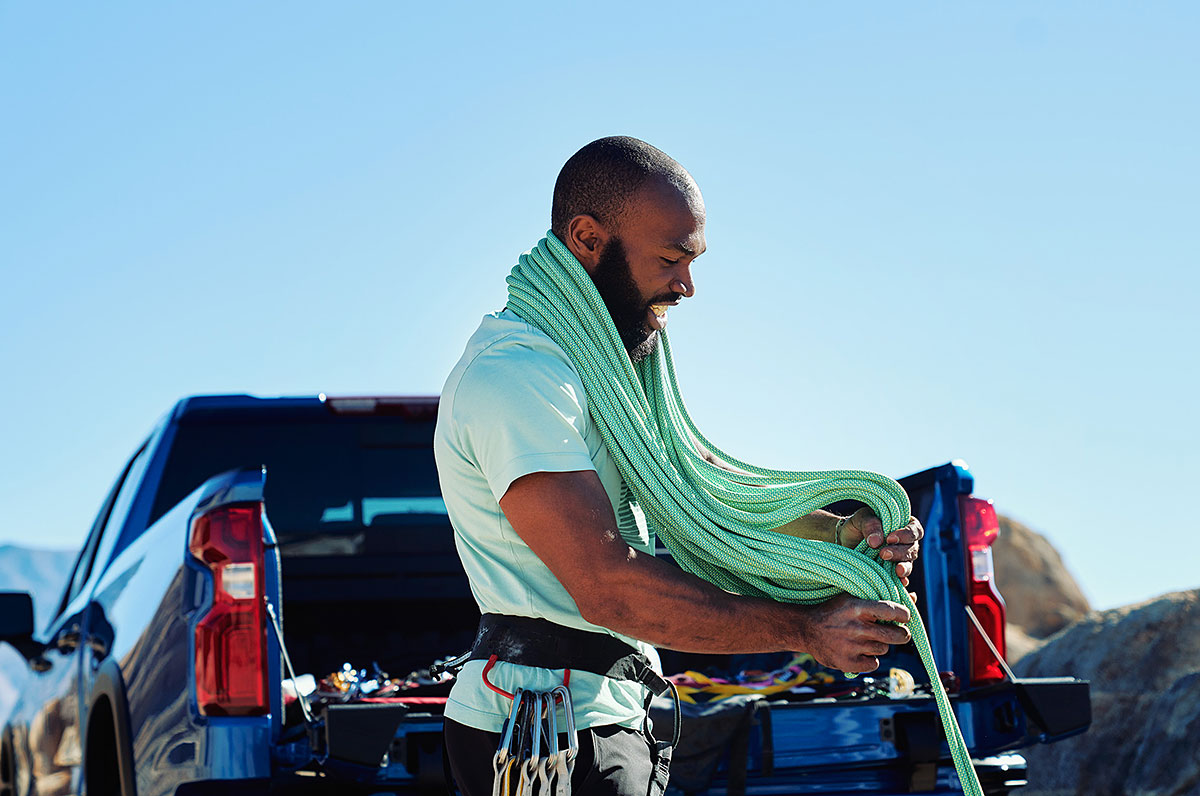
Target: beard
{"x":614,"y":281}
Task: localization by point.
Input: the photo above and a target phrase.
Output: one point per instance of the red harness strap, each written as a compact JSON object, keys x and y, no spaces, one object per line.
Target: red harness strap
{"x":487,"y":667}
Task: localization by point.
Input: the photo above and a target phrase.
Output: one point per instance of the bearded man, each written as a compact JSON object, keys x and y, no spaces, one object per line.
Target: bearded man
{"x":559,"y":557}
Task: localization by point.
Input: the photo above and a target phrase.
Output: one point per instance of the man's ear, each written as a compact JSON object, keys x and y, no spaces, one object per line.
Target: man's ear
{"x":586,"y":238}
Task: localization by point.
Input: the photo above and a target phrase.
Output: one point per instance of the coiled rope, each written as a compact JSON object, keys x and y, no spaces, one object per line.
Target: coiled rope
{"x":717,"y":521}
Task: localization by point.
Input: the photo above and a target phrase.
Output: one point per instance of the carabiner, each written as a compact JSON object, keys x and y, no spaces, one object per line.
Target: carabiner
{"x":532,"y":765}
{"x":572,"y":736}
{"x":503,"y":759}
{"x":506,"y":732}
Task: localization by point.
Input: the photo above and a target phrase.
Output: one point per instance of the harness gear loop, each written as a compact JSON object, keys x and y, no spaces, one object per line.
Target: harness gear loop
{"x":487,"y":668}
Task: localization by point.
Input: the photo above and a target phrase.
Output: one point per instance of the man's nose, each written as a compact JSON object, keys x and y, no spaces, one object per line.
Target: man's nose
{"x":684,"y":284}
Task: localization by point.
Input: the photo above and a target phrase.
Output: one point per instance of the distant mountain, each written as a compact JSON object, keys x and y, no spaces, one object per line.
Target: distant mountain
{"x":42,"y":573}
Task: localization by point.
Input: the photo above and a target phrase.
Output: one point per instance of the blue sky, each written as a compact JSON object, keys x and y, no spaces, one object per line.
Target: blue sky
{"x":935,"y":231}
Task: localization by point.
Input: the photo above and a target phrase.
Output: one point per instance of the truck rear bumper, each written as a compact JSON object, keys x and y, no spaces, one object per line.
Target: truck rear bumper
{"x":225,"y":787}
{"x":886,"y":746}
{"x":998,"y":775}
{"x":994,"y":719}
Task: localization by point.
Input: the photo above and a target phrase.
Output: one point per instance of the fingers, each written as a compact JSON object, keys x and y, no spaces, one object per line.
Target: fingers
{"x":848,"y":633}
{"x":883,"y":622}
{"x":900,"y":552}
{"x":908,"y":535}
{"x":887,"y":635}
{"x":864,"y":664}
{"x":884,"y":611}
{"x":903,"y":546}
{"x":873,"y":649}
{"x":872,"y":528}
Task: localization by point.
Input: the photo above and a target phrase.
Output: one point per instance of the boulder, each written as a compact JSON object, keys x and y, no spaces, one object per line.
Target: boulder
{"x":1143,"y":662}
{"x":1041,"y":596}
{"x":1018,"y":643}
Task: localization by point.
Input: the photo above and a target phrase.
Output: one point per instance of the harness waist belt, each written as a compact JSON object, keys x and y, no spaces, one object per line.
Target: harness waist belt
{"x":547,"y":645}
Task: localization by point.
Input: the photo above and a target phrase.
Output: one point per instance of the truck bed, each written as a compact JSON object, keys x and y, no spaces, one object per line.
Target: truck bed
{"x":858,"y":744}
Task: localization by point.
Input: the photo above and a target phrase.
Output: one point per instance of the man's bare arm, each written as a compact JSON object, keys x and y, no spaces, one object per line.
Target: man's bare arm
{"x":567,"y":520}
{"x":819,"y":526}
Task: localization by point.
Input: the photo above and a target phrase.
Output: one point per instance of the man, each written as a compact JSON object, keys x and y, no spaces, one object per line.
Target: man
{"x":545,"y":525}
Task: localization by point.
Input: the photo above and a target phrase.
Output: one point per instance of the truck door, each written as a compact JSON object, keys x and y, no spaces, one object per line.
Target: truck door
{"x":58,"y":692}
{"x":48,"y":708}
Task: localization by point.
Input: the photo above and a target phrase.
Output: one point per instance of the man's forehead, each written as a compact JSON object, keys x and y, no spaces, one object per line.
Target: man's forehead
{"x":673,"y":214}
{"x":660,"y":192}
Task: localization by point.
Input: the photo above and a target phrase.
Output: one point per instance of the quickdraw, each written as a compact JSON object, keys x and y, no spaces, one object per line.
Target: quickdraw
{"x":530,"y":760}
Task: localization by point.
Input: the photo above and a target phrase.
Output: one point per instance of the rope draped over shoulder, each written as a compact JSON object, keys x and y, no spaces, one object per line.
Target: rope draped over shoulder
{"x":717,"y":521}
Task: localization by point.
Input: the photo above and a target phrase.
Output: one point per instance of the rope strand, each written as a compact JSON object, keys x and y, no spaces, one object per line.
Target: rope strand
{"x":718,"y":520}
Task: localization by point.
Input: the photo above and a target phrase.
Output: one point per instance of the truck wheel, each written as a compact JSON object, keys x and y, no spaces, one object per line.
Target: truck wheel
{"x":8,"y":773}
{"x":101,"y":775}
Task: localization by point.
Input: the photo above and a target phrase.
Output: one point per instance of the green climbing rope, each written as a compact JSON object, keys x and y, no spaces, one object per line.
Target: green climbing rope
{"x":717,"y":521}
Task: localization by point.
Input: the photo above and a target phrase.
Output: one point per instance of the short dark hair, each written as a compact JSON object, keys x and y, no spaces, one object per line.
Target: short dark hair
{"x":598,"y":179}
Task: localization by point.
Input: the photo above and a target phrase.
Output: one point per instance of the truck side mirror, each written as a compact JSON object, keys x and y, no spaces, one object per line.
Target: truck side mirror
{"x":16,"y":623}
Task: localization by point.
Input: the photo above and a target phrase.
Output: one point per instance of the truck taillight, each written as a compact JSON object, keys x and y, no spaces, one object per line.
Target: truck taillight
{"x":980,"y":529}
{"x":980,"y":524}
{"x":231,"y":639}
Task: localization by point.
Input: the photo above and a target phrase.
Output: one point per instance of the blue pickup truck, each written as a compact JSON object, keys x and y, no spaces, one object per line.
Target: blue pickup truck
{"x":250,"y":538}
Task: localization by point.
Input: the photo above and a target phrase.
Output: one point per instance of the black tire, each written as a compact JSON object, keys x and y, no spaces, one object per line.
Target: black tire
{"x":8,"y":768}
{"x":102,"y":777}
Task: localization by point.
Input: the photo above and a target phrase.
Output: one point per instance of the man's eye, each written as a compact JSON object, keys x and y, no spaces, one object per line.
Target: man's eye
{"x":668,"y":261}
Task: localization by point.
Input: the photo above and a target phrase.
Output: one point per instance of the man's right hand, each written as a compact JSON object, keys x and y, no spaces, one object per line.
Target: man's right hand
{"x":849,"y":634}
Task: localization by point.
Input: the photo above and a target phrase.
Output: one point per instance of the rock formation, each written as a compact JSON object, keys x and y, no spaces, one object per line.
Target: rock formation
{"x":1041,"y":596}
{"x":1143,"y":662}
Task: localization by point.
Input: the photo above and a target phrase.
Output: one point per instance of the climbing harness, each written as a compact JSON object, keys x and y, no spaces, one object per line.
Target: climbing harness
{"x":519,"y":767}
{"x":543,"y":644}
{"x":717,"y":521}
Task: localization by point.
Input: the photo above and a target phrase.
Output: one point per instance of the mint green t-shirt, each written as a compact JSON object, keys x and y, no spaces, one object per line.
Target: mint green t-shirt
{"x":513,"y":405}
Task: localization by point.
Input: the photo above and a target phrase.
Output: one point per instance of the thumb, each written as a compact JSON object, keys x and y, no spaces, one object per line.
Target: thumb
{"x":858,"y":526}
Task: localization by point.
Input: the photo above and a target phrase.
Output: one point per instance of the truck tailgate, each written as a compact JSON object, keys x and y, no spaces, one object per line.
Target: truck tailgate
{"x":883,"y":746}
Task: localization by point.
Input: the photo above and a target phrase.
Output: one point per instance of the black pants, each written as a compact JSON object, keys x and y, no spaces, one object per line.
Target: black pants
{"x":612,"y":761}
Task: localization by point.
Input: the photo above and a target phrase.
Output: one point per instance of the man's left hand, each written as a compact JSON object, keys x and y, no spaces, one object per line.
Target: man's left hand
{"x":900,"y":545}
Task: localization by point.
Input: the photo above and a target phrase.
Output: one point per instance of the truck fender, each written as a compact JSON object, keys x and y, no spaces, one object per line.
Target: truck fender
{"x":110,"y":684}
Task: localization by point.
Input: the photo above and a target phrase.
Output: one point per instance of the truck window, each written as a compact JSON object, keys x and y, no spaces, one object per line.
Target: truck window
{"x":118,"y":498}
{"x":119,"y":513}
{"x":326,"y":474}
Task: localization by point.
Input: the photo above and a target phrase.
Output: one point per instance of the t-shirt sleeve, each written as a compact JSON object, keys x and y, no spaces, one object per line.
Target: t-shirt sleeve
{"x":519,"y":411}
